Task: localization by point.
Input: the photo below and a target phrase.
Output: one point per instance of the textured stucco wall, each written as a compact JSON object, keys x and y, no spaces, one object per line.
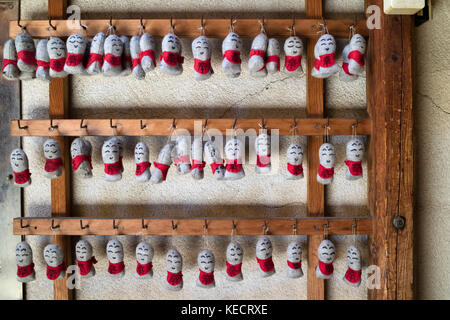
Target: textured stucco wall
{"x":161,"y":96}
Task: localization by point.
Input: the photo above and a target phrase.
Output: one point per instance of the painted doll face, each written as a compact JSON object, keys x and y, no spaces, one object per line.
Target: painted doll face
{"x":325,"y":45}
{"x":56,"y":48}
{"x":19,"y":160}
{"x":293,"y":46}
{"x":262,"y":144}
{"x":235,"y":254}
{"x":182,"y":146}
{"x":233,"y":149}
{"x":83,"y":250}
{"x":24,"y":255}
{"x":232,"y":42}
{"x":354,"y":258}
{"x":201,"y":49}
{"x":260,"y":42}
{"x":263,"y":248}
{"x":206,"y":261}
{"x":76,"y":43}
{"x":173,"y":261}
{"x":24,"y":42}
{"x":98,"y":43}
{"x":273,"y":48}
{"x":114,"y":251}
{"x":141,"y":153}
{"x":197,"y":149}
{"x":52,"y":150}
{"x":327,"y":155}
{"x":53,"y":255}
{"x":212,"y":152}
{"x":326,"y":251}
{"x":144,"y":252}
{"x":165,"y":155}
{"x":147,"y":42}
{"x":117,"y":141}
{"x":294,"y":251}
{"x":113,"y":45}
{"x":294,"y":154}
{"x":110,"y":152}
{"x":358,"y":42}
{"x":78,"y":148}
{"x":171,"y":43}
{"x":355,"y":150}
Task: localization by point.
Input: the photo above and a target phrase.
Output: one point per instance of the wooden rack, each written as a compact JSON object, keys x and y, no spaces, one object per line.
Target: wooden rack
{"x":193,"y":226}
{"x":189,"y":28}
{"x":164,"y":127}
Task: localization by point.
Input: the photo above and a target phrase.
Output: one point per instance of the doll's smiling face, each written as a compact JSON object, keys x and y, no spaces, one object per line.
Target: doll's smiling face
{"x":201,"y":49}
{"x":325,"y":45}
{"x":83,"y":250}
{"x":52,"y":149}
{"x":212,"y":152}
{"x":53,"y":255}
{"x":262,"y":144}
{"x":206,"y":261}
{"x":141,"y":153}
{"x":114,"y":251}
{"x":295,"y":154}
{"x":354,"y":258}
{"x":355,"y":150}
{"x":56,"y":48}
{"x":232,"y":42}
{"x":233,"y":149}
{"x":24,"y":255}
{"x":174,"y":262}
{"x":326,"y":251}
{"x":358,"y":42}
{"x":235,"y":253}
{"x":293,"y":46}
{"x":24,"y":42}
{"x":327,"y":155}
{"x":263,"y":248}
{"x":78,"y":148}
{"x":113,"y":45}
{"x":171,"y":43}
{"x":294,"y":251}
{"x":76,"y":43}
{"x":110,"y":152}
{"x":19,"y":160}
{"x":144,"y":252}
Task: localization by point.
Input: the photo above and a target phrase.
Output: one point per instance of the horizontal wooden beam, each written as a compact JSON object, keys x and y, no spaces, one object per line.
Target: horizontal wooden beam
{"x":195,"y":226}
{"x":189,"y":28}
{"x":163,"y":127}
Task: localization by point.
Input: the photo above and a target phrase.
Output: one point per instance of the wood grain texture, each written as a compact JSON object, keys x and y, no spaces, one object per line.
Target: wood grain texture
{"x":316,"y":191}
{"x":389,"y":71}
{"x":189,"y":28}
{"x":162,"y":127}
{"x":217,"y":227}
{"x":60,"y":187}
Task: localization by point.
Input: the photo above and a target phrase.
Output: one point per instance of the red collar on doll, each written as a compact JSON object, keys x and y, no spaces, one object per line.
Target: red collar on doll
{"x":202,"y":66}
{"x":74,"y":59}
{"x":198,"y":164}
{"x":295,"y":169}
{"x":22,"y":177}
{"x":233,"y":56}
{"x":79,"y":159}
{"x":115,"y":268}
{"x":44,"y":64}
{"x":7,"y":62}
{"x":95,"y":57}
{"x":182,"y":159}
{"x":113,"y":168}
{"x":27,"y":56}
{"x":357,"y":56}
{"x":51,"y":165}
{"x":206,"y":278}
{"x":216,"y":165}
{"x":25,"y":271}
{"x":234,"y":165}
{"x":266,"y":265}
{"x":291,"y":63}
{"x":57,"y":65}
{"x":325,"y":173}
{"x":54,"y":272}
{"x":326,"y":268}
{"x":85,"y":266}
{"x":353,"y":276}
{"x":325,"y":61}
{"x":148,"y":53}
{"x":171,"y":58}
{"x":233,"y":269}
{"x":163,"y":168}
{"x":294,"y":265}
{"x":174,"y":278}
{"x":262,"y":161}
{"x":113,"y":60}
{"x":143,"y":269}
{"x":141,"y":167}
{"x":275,"y":59}
{"x":354,"y":167}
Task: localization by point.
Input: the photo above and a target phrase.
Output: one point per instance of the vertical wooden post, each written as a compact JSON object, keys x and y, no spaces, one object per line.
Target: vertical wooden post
{"x":316,"y":191}
{"x":389,"y":99}
{"x":60,"y":187}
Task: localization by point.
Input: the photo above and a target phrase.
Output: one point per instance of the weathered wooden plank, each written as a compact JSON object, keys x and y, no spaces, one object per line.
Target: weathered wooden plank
{"x":60,"y":187}
{"x":189,"y":28}
{"x":316,"y":191}
{"x":162,"y":127}
{"x":218,"y":226}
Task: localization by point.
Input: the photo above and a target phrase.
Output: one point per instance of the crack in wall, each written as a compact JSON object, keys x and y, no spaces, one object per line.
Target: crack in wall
{"x":435,"y":105}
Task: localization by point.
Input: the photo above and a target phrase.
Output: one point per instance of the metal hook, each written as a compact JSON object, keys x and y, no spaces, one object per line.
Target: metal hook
{"x":174,"y":226}
{"x":114,"y":224}
{"x":172,"y":27}
{"x":293,"y":126}
{"x":294,"y":227}
{"x":232,"y":22}
{"x":144,"y":226}
{"x":82,"y":25}
{"x":265,"y":227}
{"x":354,"y":225}
{"x":202,"y":27}
{"x":21,"y":26}
{"x":173,"y":126}
{"x":53,"y":227}
{"x":22,"y":226}
{"x":324,"y":26}
{"x":233,"y":226}
{"x":205,"y":125}
{"x":262,"y":125}
{"x":83,"y":126}
{"x":110,"y":24}
{"x":326,"y":228}
{"x":20,"y":127}
{"x":111,"y":125}
{"x":261,"y":22}
{"x":234,"y":124}
{"x":83,"y":227}
{"x":52,"y":127}
{"x":143,"y":126}
{"x":205,"y":226}
{"x":142,"y":24}
{"x":292,"y":27}
{"x":50,"y":23}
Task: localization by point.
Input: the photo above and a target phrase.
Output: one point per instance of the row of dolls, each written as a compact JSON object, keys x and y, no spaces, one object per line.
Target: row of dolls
{"x":180,"y":153}
{"x":113,"y":56}
{"x":56,"y":268}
